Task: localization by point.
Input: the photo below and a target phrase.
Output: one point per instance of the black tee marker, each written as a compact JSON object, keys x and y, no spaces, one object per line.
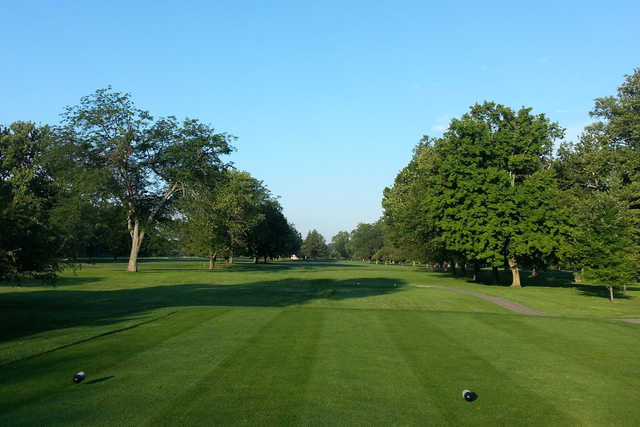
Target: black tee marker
{"x":79,"y":377}
{"x":469,"y":396}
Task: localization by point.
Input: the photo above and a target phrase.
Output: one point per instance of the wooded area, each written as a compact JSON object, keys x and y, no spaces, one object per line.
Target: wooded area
{"x":110,"y":180}
{"x":491,"y":193}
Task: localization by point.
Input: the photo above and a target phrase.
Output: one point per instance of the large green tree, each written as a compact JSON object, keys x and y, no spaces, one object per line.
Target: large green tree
{"x":142,"y":163}
{"x":29,"y":243}
{"x":488,"y":162}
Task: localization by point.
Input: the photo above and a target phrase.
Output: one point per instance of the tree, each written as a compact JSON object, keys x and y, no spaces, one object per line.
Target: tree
{"x":605,"y":246}
{"x":145,"y":164}
{"x":487,"y":161}
{"x":314,"y":245}
{"x":410,"y":227}
{"x":220,"y":219}
{"x":366,"y":240}
{"x":607,"y":156}
{"x":274,"y":235}
{"x":340,"y":244}
{"x":29,"y":243}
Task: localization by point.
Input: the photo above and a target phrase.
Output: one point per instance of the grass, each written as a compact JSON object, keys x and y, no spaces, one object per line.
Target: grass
{"x":311,"y":343}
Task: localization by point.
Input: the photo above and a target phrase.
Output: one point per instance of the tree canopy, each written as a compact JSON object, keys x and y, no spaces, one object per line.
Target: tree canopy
{"x":141,"y":163}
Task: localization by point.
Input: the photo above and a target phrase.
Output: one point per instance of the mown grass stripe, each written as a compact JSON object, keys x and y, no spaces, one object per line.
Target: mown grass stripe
{"x":446,"y":352}
{"x":47,"y":383}
{"x":262,"y":382}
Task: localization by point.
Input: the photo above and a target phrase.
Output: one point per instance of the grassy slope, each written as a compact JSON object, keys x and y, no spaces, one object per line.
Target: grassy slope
{"x":309,"y":344}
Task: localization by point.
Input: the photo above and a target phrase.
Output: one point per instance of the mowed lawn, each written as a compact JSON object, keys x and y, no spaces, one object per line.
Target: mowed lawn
{"x":312,"y":344}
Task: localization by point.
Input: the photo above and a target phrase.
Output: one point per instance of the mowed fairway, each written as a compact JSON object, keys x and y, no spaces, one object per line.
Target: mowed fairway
{"x":311,"y":343}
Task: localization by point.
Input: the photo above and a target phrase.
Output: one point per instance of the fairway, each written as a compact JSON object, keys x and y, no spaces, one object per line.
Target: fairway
{"x":311,"y":344}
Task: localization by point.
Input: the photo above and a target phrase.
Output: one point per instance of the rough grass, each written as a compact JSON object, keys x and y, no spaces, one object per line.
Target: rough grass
{"x":311,"y":343}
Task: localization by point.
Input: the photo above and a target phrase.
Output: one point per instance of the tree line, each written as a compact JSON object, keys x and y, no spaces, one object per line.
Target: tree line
{"x":491,"y":193}
{"x":111,"y":180}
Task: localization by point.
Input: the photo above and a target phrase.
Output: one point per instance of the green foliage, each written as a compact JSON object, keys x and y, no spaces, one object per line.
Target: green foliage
{"x":408,"y":221}
{"x":274,"y":236}
{"x":140,"y":163}
{"x":238,"y":216}
{"x":605,"y":241}
{"x":314,"y":245}
{"x":29,"y":243}
{"x":492,"y":187}
{"x":483,"y":193}
{"x":601,"y":172}
{"x":366,"y":240}
{"x":340,"y":243}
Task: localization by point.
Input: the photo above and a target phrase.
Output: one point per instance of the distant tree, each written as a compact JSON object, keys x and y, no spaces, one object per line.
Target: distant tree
{"x":143,"y":163}
{"x":340,"y":244}
{"x":294,"y":241}
{"x":314,"y":245}
{"x":273,"y":236}
{"x":220,"y":220}
{"x":366,"y":240}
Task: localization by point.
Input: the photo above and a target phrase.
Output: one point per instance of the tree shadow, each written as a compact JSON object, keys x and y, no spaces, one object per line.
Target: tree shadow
{"x":545,"y":279}
{"x":60,"y":283}
{"x":31,"y":312}
{"x":601,"y":291}
{"x":246,"y":266}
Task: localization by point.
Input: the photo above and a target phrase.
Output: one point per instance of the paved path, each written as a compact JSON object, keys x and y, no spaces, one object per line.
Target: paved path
{"x":502,"y":302}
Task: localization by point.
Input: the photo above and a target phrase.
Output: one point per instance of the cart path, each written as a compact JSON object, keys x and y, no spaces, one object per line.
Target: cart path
{"x":502,"y":302}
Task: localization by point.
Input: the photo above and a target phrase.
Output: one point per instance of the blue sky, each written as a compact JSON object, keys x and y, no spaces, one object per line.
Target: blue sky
{"x":327,"y":98}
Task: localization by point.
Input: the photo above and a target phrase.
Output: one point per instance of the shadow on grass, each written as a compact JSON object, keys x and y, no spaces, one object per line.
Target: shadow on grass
{"x":24,"y":313}
{"x":159,"y":266}
{"x":99,"y":380}
{"x":546,"y":279}
{"x":60,"y":283}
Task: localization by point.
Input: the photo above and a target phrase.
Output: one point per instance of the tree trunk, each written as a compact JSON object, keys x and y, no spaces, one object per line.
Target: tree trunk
{"x":255,"y":260}
{"x":624,"y":288}
{"x":136,"y":241}
{"x":610,"y":293}
{"x":265,"y":259}
{"x":476,"y":271}
{"x":212,"y":261}
{"x":534,"y":272}
{"x":496,"y":274}
{"x":515,"y":273}
{"x":414,"y":263}
{"x":230,"y":259}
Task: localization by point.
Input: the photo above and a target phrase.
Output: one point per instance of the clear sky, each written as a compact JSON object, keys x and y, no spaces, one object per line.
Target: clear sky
{"x":327,"y":98}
